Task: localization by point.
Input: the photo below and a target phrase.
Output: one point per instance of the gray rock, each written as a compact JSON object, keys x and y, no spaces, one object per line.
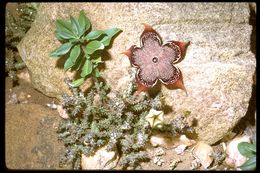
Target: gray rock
{"x":217,"y":69}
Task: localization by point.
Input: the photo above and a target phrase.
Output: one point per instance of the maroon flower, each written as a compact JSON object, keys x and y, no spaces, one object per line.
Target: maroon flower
{"x":154,"y":61}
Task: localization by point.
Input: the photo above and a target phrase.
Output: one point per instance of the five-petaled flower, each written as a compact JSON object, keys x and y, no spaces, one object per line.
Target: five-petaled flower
{"x":155,"y":118}
{"x":154,"y":61}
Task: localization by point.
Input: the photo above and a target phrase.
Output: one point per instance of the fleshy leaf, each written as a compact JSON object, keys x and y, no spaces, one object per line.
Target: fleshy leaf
{"x":96,"y":72}
{"x":64,"y":26}
{"x":106,"y":40}
{"x":64,"y":35}
{"x":94,"y":35}
{"x":78,"y":64}
{"x":94,"y":46}
{"x":74,"y":54}
{"x":97,"y":60}
{"x":58,"y":36}
{"x":87,"y":68}
{"x":246,"y":149}
{"x":62,"y":50}
{"x":68,"y":64}
{"x":250,"y":164}
{"x":83,"y":22}
{"x":75,"y":26}
{"x":78,"y":82}
{"x":112,"y":32}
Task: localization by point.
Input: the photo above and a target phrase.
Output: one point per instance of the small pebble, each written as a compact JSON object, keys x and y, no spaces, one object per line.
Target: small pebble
{"x":180,"y":149}
{"x":159,"y":151}
{"x":158,"y":161}
{"x":174,"y":163}
{"x":62,"y":112}
{"x":13,"y":99}
{"x":52,"y":105}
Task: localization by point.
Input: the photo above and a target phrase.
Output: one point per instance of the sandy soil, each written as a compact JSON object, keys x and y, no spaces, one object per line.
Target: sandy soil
{"x":30,"y":128}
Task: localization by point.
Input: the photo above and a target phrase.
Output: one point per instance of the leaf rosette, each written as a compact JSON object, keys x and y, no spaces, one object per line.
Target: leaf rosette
{"x":80,"y":46}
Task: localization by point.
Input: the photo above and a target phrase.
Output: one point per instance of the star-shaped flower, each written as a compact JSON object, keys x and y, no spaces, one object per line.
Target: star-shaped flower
{"x":154,"y":61}
{"x":155,"y":118}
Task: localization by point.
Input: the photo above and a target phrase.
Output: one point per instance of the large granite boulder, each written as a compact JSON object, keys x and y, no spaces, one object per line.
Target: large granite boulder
{"x":217,"y":69}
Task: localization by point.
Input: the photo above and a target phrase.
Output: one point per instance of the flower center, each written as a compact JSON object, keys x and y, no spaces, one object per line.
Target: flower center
{"x":155,"y":59}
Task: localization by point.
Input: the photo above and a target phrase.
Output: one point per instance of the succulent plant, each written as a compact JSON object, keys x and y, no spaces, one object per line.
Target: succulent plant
{"x":118,"y":122}
{"x":248,"y":150}
{"x":81,"y":47}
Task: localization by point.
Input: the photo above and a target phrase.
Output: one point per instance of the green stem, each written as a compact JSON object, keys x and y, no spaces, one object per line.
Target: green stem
{"x":19,"y":65}
{"x":84,"y":50}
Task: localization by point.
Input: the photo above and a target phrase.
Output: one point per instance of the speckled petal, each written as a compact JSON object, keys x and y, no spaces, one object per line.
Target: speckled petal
{"x":182,"y":47}
{"x":138,"y":55}
{"x":171,"y":53}
{"x":140,"y":87}
{"x":147,"y":76}
{"x":168,"y":73}
{"x":143,"y":56}
{"x":149,"y":32}
{"x":129,"y":53}
{"x":178,"y":84}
